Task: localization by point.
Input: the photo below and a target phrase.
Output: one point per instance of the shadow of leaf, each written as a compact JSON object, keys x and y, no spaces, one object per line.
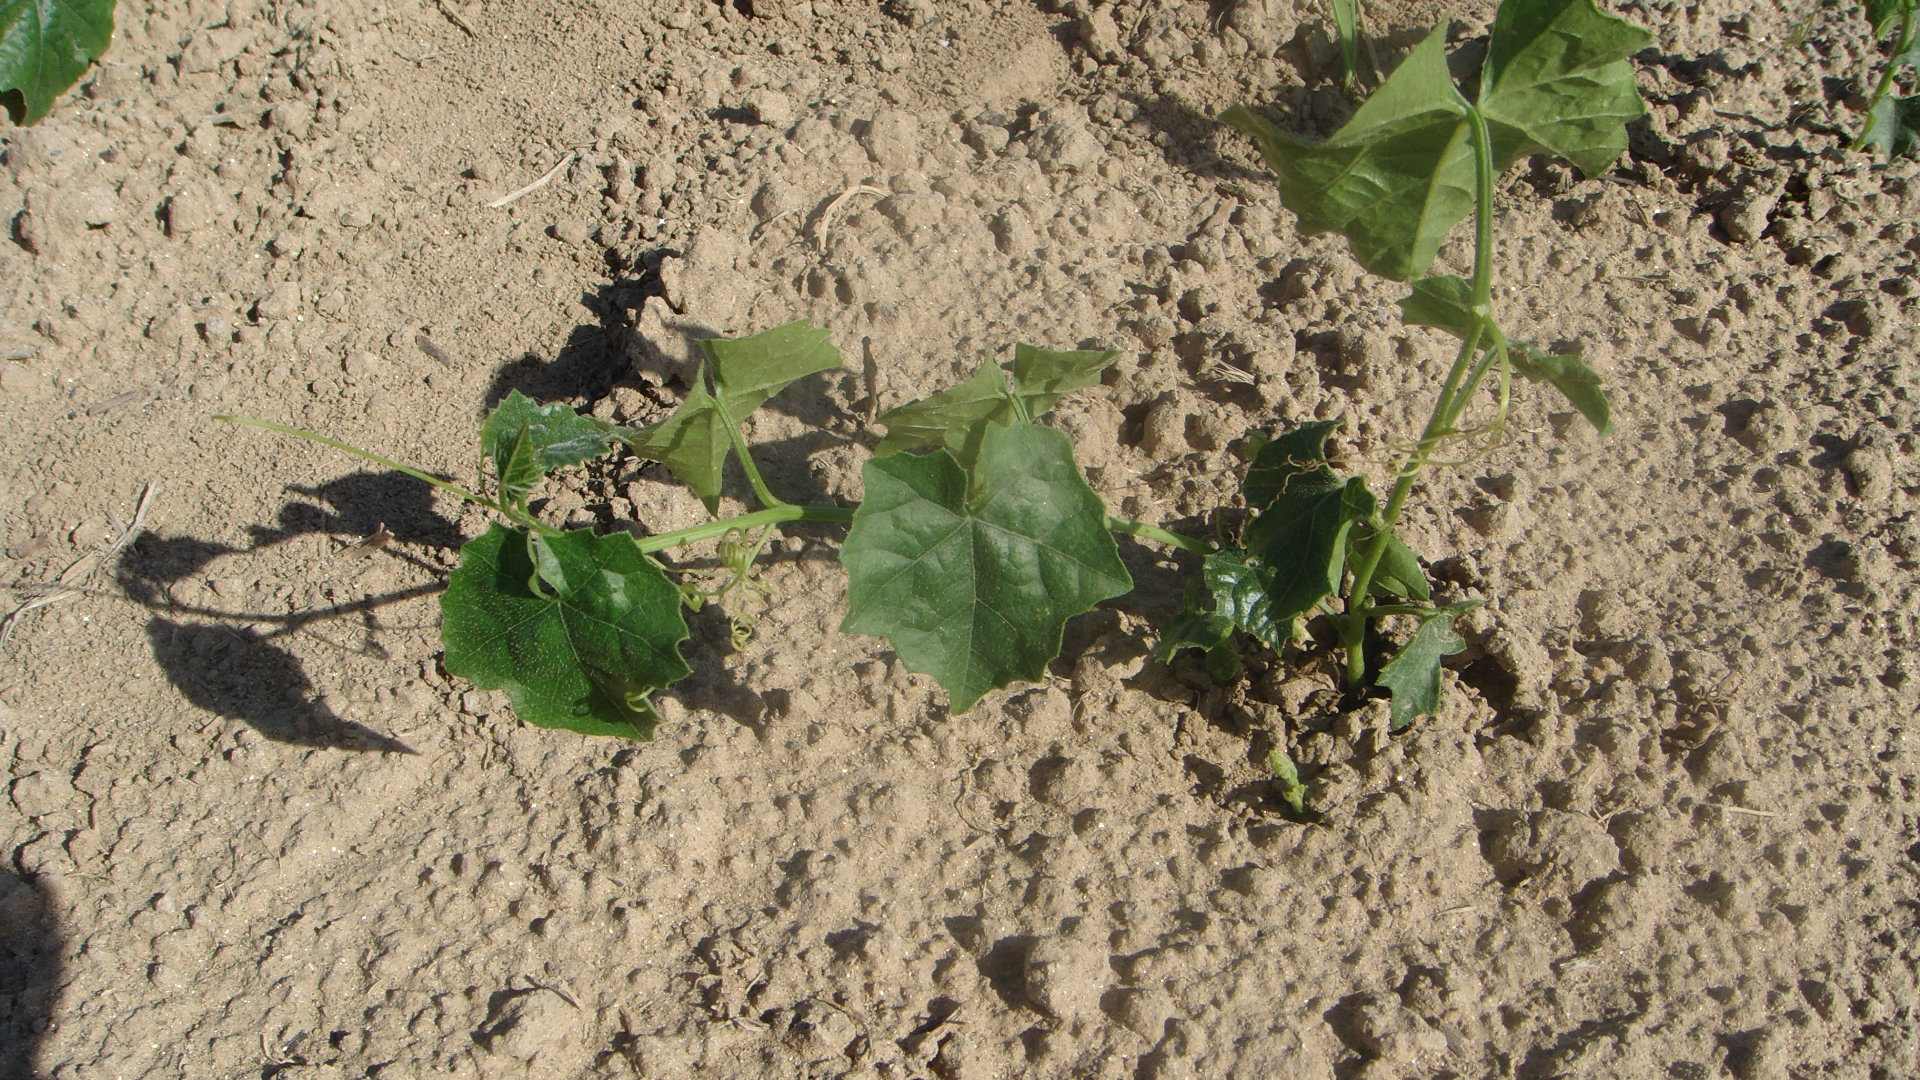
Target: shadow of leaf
{"x":236,"y":673}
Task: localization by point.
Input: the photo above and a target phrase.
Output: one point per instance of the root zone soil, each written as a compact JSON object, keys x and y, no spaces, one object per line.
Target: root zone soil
{"x":1663,"y":823}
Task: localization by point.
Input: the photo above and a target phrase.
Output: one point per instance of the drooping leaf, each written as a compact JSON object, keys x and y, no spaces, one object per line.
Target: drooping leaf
{"x":1287,"y":776}
{"x":1398,"y":573}
{"x":1557,"y":81}
{"x":743,"y":372}
{"x":1413,"y":675}
{"x":578,"y":629}
{"x":1893,"y":126}
{"x":46,"y":45}
{"x":1444,"y":301}
{"x":1299,"y":452}
{"x":1199,"y":627}
{"x":1395,"y":179}
{"x":973,"y":577}
{"x":1566,"y":372}
{"x":527,"y":441}
{"x":954,"y":419}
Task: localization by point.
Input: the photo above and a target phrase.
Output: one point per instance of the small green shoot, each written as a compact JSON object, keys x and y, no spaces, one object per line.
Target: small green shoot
{"x":1415,"y":159}
{"x":1347,"y":30}
{"x":978,"y":540}
{"x":45,"y":46}
{"x":1286,"y":776}
{"x":1893,"y":120}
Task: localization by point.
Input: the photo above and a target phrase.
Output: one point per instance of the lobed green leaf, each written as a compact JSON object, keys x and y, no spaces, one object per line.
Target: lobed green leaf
{"x":1444,"y":301}
{"x":1395,"y":179}
{"x":1398,"y":573}
{"x":46,"y":45}
{"x":527,"y":441}
{"x":578,"y":629}
{"x":695,"y":441}
{"x":955,"y":418}
{"x":973,"y":574}
{"x":1893,"y":126}
{"x":1557,"y":82}
{"x":1413,"y":675}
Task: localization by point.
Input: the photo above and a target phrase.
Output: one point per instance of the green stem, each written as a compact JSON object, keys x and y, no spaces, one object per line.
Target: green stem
{"x":760,"y":490}
{"x":418,"y":474}
{"x":772,"y":515}
{"x":1453,"y":399}
{"x":1902,"y":42}
{"x":1155,"y":532}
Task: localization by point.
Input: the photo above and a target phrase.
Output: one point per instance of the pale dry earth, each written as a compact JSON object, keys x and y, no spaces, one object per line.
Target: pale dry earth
{"x":1664,"y":826}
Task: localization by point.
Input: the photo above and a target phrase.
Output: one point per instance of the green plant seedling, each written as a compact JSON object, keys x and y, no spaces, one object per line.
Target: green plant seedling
{"x":1415,"y":159}
{"x":978,"y":540}
{"x":1893,"y":120}
{"x":45,"y":46}
{"x":1346,"y":28}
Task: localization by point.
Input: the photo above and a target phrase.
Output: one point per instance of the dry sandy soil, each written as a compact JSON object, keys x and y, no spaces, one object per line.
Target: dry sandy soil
{"x":1664,"y":826}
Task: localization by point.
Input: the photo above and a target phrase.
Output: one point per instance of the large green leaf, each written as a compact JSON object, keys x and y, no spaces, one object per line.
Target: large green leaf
{"x":1280,"y":461}
{"x":973,"y":577}
{"x":1566,"y":372}
{"x":738,"y":377}
{"x":578,"y":629}
{"x":1556,"y":81}
{"x":1296,"y":548}
{"x":46,"y":45}
{"x":955,"y":418}
{"x":1400,"y":174}
{"x":1395,"y":179}
{"x":1413,"y":675}
{"x":527,"y":441}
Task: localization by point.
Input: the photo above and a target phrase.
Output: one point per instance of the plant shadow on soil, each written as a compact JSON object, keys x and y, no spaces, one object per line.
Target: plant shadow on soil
{"x":228,"y":666}
{"x":29,"y":972}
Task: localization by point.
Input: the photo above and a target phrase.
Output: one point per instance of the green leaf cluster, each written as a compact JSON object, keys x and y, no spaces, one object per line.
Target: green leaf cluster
{"x":1401,"y":173}
{"x":45,"y":46}
{"x":977,"y":541}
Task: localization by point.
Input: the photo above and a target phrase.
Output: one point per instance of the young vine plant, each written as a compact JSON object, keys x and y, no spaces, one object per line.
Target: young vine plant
{"x":977,"y":541}
{"x":1893,"y":119}
{"x":1415,"y":159}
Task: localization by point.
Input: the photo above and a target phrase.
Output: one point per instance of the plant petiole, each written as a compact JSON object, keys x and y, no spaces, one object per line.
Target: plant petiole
{"x":447,"y":486}
{"x":772,"y":515}
{"x":1155,"y":532}
{"x":760,"y":490}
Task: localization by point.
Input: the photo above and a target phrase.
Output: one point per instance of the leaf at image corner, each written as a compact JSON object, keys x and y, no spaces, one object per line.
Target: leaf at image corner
{"x":1413,"y":675}
{"x":527,"y":441}
{"x":46,"y":45}
{"x":1893,"y":126}
{"x":1566,"y":372}
{"x":1557,"y":81}
{"x":1885,"y":15}
{"x":973,"y":579}
{"x":578,"y":629}
{"x":1395,"y":179}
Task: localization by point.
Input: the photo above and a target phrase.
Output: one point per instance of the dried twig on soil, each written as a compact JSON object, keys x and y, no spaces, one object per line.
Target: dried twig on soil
{"x":822,"y":224}
{"x":455,"y":18}
{"x":73,"y":580}
{"x":545,"y":179}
